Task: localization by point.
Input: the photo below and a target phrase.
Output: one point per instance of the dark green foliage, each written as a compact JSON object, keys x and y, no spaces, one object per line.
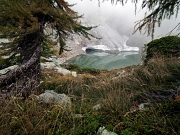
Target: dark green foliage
{"x":25,"y":23}
{"x":15,"y":60}
{"x":88,"y":126}
{"x":4,"y":63}
{"x":127,"y":132}
{"x":46,"y":50}
{"x":19,"y":18}
{"x":80,"y":70}
{"x":175,"y":74}
{"x":166,"y":46}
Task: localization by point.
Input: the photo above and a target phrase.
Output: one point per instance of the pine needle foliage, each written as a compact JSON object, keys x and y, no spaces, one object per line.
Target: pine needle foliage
{"x":22,"y":17}
{"x":24,"y":22}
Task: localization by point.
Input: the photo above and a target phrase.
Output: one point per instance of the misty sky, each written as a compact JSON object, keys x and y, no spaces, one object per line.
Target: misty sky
{"x":121,"y":18}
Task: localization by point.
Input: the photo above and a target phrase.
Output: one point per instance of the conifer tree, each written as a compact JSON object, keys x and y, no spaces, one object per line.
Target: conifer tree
{"x":23,"y":23}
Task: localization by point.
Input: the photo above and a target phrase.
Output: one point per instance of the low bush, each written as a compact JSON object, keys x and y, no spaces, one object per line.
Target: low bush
{"x":81,"y":70}
{"x":168,"y":46}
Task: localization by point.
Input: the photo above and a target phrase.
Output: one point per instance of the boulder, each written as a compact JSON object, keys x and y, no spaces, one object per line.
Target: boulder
{"x":103,"y":131}
{"x":143,"y":106}
{"x":49,"y":96}
{"x":4,"y":71}
{"x":96,"y":107}
{"x":52,"y":65}
{"x":47,"y":65}
{"x":74,"y":74}
{"x":63,"y":71}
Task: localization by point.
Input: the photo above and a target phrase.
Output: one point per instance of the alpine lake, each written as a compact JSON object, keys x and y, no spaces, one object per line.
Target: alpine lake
{"x":107,"y":61}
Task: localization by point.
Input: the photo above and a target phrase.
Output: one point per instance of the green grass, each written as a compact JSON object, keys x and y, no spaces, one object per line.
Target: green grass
{"x":118,"y":96}
{"x":80,"y":70}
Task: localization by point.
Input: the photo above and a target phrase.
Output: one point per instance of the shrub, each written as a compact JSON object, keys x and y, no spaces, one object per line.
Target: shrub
{"x":166,"y":46}
{"x":81,"y":70}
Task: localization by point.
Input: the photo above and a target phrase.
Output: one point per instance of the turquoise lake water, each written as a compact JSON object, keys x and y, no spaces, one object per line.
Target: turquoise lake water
{"x":102,"y":60}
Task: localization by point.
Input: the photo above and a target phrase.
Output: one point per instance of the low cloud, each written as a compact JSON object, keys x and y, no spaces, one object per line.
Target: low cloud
{"x":121,"y":18}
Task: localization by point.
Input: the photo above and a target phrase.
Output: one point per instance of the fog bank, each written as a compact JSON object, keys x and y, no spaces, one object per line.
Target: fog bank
{"x":120,"y":18}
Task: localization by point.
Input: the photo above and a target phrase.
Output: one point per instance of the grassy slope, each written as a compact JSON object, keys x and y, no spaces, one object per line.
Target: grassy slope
{"x":118,"y":91}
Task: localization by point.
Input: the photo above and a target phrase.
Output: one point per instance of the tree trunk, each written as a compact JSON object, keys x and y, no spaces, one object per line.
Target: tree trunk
{"x":25,"y":79}
{"x":30,"y":79}
{"x":11,"y":78}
